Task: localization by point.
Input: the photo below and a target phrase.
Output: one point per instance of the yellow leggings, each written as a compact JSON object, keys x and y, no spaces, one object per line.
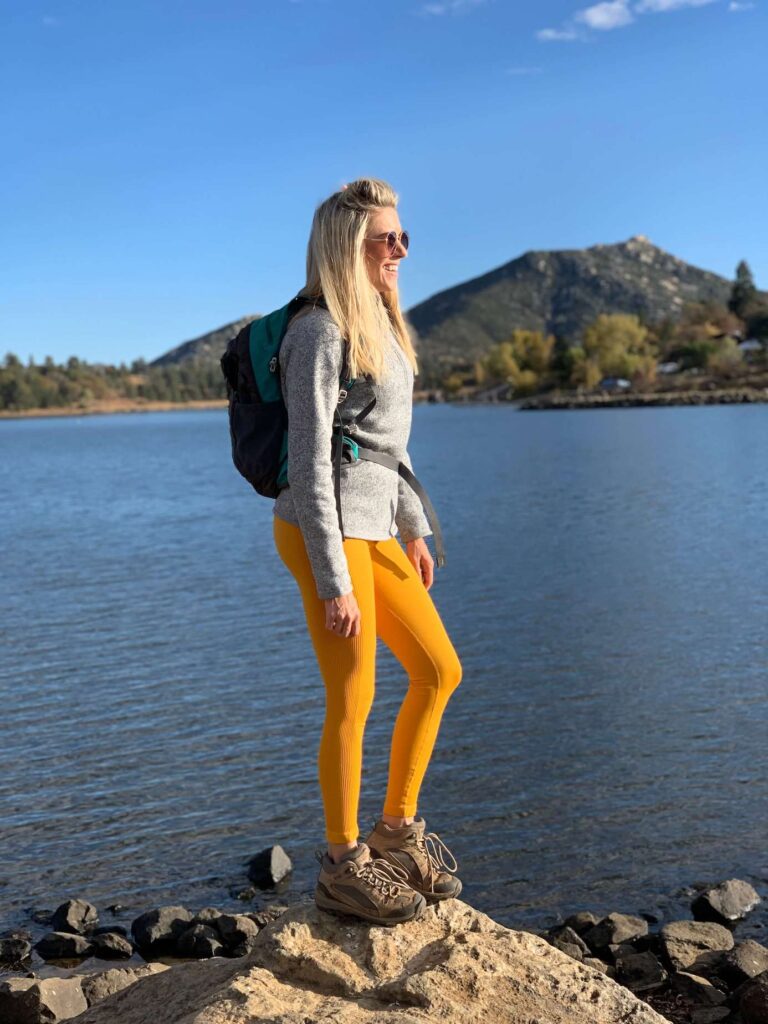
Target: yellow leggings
{"x":396,"y":606}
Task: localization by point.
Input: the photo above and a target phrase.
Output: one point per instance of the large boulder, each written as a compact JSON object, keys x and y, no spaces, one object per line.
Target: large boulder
{"x":453,"y":964}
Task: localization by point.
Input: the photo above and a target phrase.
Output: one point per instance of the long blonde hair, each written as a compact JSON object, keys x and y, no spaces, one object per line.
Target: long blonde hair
{"x":336,"y":270}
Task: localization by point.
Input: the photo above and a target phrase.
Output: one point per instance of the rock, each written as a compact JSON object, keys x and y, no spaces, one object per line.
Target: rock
{"x":32,"y":1000}
{"x":709,"y":1014}
{"x":746,"y":960}
{"x":269,"y":867}
{"x":270,"y":913}
{"x":728,"y":901}
{"x":753,"y":1001}
{"x":14,"y":948}
{"x":63,"y":946}
{"x":640,"y":972}
{"x":111,"y":946}
{"x":567,"y":947}
{"x":110,"y":929}
{"x":614,"y":928}
{"x":697,"y":989}
{"x":308,"y":966}
{"x":76,"y":916}
{"x":201,"y":940}
{"x":685,"y":941}
{"x":565,"y":935}
{"x":599,"y":965}
{"x":41,"y":916}
{"x":238,"y":933}
{"x":617,"y":950}
{"x":157,"y":931}
{"x":208,"y":915}
{"x":581,"y":922}
{"x":105,"y":983}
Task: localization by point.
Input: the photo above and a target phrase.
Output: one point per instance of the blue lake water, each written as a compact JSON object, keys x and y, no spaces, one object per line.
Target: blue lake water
{"x":605,"y":589}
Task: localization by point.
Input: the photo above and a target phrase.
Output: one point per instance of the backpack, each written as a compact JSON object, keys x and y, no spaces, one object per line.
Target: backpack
{"x":258,"y":417}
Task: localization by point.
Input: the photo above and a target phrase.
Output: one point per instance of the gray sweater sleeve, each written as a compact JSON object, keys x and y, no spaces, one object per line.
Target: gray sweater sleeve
{"x":312,"y":357}
{"x":410,"y":518}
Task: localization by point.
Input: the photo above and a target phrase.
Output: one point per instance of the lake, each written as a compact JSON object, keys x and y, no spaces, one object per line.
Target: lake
{"x":605,"y":588}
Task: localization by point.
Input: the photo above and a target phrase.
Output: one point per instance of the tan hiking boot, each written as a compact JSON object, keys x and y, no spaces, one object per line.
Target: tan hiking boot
{"x":364,"y":886}
{"x":420,"y":854}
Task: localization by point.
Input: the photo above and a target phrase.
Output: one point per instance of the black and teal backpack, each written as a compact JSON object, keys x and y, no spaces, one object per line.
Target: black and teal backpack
{"x":258,"y":417}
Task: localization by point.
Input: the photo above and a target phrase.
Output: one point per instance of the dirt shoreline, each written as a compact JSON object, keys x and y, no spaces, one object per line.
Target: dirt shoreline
{"x":110,"y":408}
{"x":563,"y":400}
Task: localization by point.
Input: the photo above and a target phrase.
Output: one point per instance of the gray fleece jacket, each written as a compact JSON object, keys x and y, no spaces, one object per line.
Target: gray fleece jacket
{"x":376,"y":503}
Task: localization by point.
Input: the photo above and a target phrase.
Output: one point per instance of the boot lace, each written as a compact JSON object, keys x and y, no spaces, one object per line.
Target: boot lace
{"x":383,"y":875}
{"x":432,"y":846}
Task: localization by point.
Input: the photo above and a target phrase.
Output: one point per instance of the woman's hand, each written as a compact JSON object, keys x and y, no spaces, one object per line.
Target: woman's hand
{"x":422,"y":561}
{"x":342,"y":615}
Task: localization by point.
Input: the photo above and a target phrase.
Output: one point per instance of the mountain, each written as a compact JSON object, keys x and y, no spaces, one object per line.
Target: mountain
{"x":558,"y":292}
{"x":207,"y":346}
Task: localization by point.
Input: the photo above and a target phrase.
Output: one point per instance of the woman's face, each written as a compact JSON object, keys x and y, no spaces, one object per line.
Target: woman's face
{"x":383,"y":265}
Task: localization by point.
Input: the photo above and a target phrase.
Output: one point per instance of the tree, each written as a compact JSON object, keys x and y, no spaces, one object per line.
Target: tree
{"x":743,"y":292}
{"x":726,"y":359}
{"x":562,"y":361}
{"x":618,"y":344}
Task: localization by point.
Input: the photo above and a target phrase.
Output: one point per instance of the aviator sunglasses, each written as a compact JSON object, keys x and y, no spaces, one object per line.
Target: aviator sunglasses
{"x":392,"y":239}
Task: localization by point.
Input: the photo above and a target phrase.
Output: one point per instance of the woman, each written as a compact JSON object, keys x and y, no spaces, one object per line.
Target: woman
{"x":362,"y":585}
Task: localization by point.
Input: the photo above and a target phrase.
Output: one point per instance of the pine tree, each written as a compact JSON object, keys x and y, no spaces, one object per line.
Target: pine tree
{"x":743,"y":292}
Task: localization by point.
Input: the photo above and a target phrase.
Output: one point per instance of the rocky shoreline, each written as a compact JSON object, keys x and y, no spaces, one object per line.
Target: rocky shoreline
{"x":295,"y":964}
{"x":719,"y":396}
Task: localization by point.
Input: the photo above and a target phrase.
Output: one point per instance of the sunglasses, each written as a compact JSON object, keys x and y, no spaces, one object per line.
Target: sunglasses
{"x":392,"y":238}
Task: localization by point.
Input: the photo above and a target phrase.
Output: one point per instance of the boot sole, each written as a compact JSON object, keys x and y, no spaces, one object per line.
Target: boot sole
{"x":438,"y":897}
{"x":339,"y":909}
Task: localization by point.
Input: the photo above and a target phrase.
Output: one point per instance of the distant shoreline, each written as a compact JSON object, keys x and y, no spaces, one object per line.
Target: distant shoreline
{"x":566,"y":400}
{"x":110,"y":408}
{"x":716,"y":396}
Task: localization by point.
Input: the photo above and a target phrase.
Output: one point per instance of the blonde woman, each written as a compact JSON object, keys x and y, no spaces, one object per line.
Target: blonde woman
{"x":361,"y":584}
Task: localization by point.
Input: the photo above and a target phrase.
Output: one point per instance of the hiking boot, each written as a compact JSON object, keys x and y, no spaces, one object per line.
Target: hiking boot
{"x":420,"y":854}
{"x":364,"y":886}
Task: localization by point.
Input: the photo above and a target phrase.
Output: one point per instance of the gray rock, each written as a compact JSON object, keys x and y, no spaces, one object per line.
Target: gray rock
{"x":753,"y":1000}
{"x":269,"y":867}
{"x":101,"y":984}
{"x":569,"y":936}
{"x":746,"y":960}
{"x":729,"y":901}
{"x":32,"y":1000}
{"x":201,"y":941}
{"x":599,"y":965}
{"x":63,"y":946}
{"x":238,"y":932}
{"x":77,"y":916}
{"x":268,"y":914}
{"x":208,"y":915}
{"x":157,"y":931}
{"x":14,"y":948}
{"x":697,"y":989}
{"x":640,"y":972}
{"x":110,"y":929}
{"x":111,"y":946}
{"x":568,"y":947}
{"x":617,"y":950}
{"x":581,"y":921}
{"x":709,"y":1014}
{"x":685,"y":941}
{"x":614,"y":928}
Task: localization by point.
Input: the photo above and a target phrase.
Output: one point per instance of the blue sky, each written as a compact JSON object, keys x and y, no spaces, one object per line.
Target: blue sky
{"x":163,"y":159}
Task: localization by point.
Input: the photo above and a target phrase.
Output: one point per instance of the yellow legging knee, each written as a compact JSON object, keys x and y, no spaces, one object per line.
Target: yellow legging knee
{"x":397,"y":607}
